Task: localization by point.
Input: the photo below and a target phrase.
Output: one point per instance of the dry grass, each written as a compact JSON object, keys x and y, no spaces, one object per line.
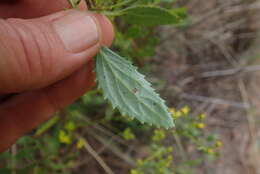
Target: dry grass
{"x":213,"y":66}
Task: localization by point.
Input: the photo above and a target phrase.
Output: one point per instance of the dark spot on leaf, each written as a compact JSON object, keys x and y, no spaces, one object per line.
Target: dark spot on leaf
{"x":135,"y":90}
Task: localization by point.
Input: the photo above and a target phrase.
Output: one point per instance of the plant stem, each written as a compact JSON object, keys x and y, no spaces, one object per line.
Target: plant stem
{"x":96,"y":156}
{"x":110,"y":13}
{"x":121,"y":4}
{"x":73,"y":4}
{"x":180,"y":146}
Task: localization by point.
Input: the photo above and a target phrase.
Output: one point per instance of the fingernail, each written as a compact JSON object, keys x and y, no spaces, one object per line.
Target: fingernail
{"x":77,"y":30}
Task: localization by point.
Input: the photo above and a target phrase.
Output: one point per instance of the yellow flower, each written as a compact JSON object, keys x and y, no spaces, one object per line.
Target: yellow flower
{"x":70,"y":126}
{"x":200,"y":125}
{"x":169,"y":160}
{"x":169,"y":149}
{"x":210,"y":151}
{"x":133,"y":171}
{"x":128,"y":134}
{"x":180,"y":113}
{"x":64,"y":138}
{"x":185,"y":110}
{"x":202,"y":116}
{"x":218,"y":144}
{"x":80,"y":144}
{"x":177,"y":114}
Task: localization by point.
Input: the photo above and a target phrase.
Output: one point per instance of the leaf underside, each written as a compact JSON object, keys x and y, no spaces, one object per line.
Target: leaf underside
{"x":128,"y":91}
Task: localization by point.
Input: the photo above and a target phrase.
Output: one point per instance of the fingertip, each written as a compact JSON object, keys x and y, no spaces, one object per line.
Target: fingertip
{"x":107,"y":29}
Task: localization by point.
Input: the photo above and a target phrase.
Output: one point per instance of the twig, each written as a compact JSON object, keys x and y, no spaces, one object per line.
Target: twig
{"x":105,"y":131}
{"x":229,"y":57}
{"x":197,"y":20}
{"x":221,"y":30}
{"x":180,"y":147}
{"x":116,"y":151}
{"x":250,"y":119}
{"x":239,"y":8}
{"x":251,"y":123}
{"x":120,"y":4}
{"x":229,"y":72}
{"x":215,"y":101}
{"x":96,"y":156}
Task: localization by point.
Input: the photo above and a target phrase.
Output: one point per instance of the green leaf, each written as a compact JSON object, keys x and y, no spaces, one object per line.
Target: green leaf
{"x":47,"y":125}
{"x":5,"y":171}
{"x":150,"y":16}
{"x":128,"y":91}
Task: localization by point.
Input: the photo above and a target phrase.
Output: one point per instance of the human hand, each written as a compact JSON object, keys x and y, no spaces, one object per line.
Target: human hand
{"x":45,"y":59}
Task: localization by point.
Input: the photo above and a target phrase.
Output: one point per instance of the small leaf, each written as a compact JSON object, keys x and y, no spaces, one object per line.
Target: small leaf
{"x":150,"y":16}
{"x":128,"y":91}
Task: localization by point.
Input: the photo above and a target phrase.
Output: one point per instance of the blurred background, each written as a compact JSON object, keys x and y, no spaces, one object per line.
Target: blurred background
{"x":206,"y":68}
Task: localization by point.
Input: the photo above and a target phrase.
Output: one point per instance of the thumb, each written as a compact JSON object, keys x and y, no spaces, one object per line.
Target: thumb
{"x":38,"y":52}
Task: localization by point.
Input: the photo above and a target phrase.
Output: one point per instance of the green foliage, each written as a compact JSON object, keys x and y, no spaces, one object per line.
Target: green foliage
{"x":128,"y":134}
{"x":57,"y":146}
{"x":174,"y":159}
{"x":53,"y":148}
{"x":149,"y":16}
{"x":129,"y":91}
{"x":159,"y":161}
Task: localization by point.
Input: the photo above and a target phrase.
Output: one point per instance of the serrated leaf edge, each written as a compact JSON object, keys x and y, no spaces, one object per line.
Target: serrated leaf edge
{"x":142,"y":77}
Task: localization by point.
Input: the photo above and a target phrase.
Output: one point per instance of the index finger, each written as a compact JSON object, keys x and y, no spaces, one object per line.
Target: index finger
{"x":33,"y":8}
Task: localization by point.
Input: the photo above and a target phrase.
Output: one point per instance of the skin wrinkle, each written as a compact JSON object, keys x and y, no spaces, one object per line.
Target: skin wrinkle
{"x":20,"y":30}
{"x":34,"y":67}
{"x":11,"y":54}
{"x":40,"y":37}
{"x":46,"y":56}
{"x":42,"y":66}
{"x":48,"y":66}
{"x":38,"y":67}
{"x":2,"y":63}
